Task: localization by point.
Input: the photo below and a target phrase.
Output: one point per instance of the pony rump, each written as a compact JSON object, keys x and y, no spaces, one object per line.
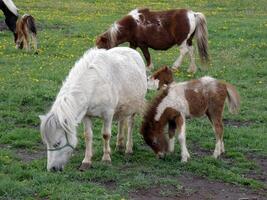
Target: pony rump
{"x":26,"y":30}
{"x":202,"y":37}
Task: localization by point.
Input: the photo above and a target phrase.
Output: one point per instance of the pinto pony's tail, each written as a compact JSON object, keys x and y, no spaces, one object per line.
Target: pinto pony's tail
{"x":202,"y":37}
{"x":233,"y":98}
{"x":31,"y":24}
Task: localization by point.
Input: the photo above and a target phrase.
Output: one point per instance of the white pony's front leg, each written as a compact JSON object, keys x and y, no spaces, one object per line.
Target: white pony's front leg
{"x":129,"y":144}
{"x":183,"y":51}
{"x":88,"y":136}
{"x":106,"y":131}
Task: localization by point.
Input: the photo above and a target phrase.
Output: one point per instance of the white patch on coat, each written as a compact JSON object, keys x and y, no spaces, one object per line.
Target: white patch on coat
{"x":192,"y":22}
{"x":209,"y":82}
{"x":152,"y":84}
{"x":175,"y":99}
{"x":135,"y":14}
{"x":11,"y":6}
{"x":113,"y":32}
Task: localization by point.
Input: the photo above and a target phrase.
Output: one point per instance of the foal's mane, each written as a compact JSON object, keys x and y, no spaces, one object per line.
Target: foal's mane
{"x":151,"y":111}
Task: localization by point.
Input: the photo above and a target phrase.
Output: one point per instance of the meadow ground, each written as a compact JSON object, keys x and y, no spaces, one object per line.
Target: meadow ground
{"x":29,"y":84}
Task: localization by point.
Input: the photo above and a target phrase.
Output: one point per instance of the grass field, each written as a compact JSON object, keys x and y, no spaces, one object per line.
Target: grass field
{"x":29,"y":84}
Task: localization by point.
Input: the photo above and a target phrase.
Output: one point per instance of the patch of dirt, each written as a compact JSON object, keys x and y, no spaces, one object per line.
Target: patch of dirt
{"x":195,"y":188}
{"x":238,"y":123}
{"x":28,"y":156}
{"x":260,"y":174}
{"x":3,"y":25}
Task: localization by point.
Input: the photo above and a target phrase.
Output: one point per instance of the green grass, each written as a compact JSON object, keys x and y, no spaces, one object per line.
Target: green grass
{"x":29,"y":84}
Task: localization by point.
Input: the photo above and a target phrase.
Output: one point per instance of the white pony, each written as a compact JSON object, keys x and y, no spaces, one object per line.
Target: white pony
{"x":110,"y":84}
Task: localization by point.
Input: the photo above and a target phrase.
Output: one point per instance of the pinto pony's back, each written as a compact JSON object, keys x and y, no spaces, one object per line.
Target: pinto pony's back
{"x":25,"y":31}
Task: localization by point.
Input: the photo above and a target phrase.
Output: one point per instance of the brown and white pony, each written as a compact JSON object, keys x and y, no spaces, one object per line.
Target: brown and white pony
{"x":26,"y":31}
{"x":160,"y":31}
{"x":195,"y":98}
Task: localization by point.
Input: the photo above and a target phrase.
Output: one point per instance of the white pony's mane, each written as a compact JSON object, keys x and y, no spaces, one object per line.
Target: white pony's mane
{"x":71,"y":99}
{"x":11,"y":6}
{"x":113,"y":32}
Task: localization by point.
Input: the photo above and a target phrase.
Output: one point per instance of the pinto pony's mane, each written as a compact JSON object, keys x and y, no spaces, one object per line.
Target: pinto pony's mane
{"x":11,"y":6}
{"x":113,"y":33}
{"x":67,"y":108}
{"x":151,"y":111}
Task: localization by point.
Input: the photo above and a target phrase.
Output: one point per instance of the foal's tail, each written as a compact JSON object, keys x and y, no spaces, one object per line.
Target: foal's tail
{"x":202,"y":36}
{"x":233,"y":98}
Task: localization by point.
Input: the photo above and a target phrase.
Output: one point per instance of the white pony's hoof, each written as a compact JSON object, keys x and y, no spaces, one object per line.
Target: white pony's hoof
{"x":106,"y":159}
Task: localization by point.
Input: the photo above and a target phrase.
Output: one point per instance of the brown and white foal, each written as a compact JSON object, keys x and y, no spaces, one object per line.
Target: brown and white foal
{"x":195,"y":98}
{"x":160,"y":31}
{"x":26,"y":31}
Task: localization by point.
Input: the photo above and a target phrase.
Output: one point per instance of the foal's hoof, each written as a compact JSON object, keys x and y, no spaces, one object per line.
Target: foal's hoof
{"x":85,"y":166}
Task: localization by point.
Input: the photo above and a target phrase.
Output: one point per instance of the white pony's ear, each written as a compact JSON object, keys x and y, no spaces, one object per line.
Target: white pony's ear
{"x":42,"y":117}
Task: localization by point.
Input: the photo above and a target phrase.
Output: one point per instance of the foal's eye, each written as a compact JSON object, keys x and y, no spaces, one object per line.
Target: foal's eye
{"x":56,"y":145}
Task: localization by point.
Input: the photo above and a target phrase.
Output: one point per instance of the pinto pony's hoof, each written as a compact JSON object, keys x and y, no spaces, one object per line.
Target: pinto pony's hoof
{"x":120,"y":148}
{"x":85,"y":166}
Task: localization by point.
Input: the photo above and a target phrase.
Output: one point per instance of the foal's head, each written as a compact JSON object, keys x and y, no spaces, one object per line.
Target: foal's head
{"x":60,"y":144}
{"x":160,"y":78}
{"x":152,"y":130}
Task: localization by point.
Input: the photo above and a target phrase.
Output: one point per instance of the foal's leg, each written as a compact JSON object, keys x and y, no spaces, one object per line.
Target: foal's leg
{"x":106,"y":131}
{"x":171,"y":133}
{"x":147,"y":57}
{"x":180,"y":122}
{"x":129,"y":143}
{"x":122,"y":128}
{"x":218,"y":128}
{"x":183,"y":51}
{"x":88,"y":137}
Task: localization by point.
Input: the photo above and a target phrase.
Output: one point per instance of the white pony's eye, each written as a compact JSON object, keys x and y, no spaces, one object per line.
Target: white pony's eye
{"x":57,"y":144}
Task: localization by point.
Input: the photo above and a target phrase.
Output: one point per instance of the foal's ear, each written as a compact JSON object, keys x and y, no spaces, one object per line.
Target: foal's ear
{"x":42,"y":117}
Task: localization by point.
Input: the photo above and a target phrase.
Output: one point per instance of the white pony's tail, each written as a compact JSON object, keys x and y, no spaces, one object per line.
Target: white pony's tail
{"x":233,"y":98}
{"x":11,"y":6}
{"x":202,"y":36}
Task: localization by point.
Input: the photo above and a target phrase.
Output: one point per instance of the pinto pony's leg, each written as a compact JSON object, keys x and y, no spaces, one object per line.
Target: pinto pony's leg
{"x":106,"y":131}
{"x":88,"y":137}
{"x":122,"y":128}
{"x":129,"y":143}
{"x":192,"y":67}
{"x":183,"y":52}
{"x":180,"y":121}
{"x":171,"y":133}
{"x":147,"y":57}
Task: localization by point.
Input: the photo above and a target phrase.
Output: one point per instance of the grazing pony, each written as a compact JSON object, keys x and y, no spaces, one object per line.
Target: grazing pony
{"x":109,"y":84}
{"x":160,"y":31}
{"x":26,"y":31}
{"x":11,"y":15}
{"x":204,"y":96}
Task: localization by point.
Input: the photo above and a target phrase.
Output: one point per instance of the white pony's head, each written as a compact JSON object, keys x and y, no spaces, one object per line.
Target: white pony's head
{"x":59,"y":140}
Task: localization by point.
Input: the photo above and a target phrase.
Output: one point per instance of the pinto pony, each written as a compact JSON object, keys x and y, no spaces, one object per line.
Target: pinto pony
{"x":109,"y":84}
{"x":204,"y":96}
{"x":26,"y":31}
{"x":160,"y":31}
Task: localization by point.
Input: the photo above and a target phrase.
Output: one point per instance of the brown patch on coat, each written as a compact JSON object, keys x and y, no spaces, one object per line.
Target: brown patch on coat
{"x":159,"y":30}
{"x":164,"y":75}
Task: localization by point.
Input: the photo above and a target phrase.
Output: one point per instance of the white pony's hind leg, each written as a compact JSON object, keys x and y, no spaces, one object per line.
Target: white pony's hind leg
{"x":88,"y":137}
{"x":122,"y":128}
{"x":192,"y":67}
{"x":129,"y":144}
{"x":106,"y":131}
{"x":183,"y":52}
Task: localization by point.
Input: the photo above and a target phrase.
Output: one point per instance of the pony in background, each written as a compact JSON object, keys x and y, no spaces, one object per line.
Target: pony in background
{"x":195,"y":98}
{"x":160,"y":31}
{"x":109,"y":84}
{"x":23,"y":27}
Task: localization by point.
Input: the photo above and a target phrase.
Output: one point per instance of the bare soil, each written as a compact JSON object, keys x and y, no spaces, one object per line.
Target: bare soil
{"x":195,"y":188}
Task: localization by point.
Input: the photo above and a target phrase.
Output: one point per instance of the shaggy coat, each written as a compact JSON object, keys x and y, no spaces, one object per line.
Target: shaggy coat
{"x":196,"y":98}
{"x":160,"y":31}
